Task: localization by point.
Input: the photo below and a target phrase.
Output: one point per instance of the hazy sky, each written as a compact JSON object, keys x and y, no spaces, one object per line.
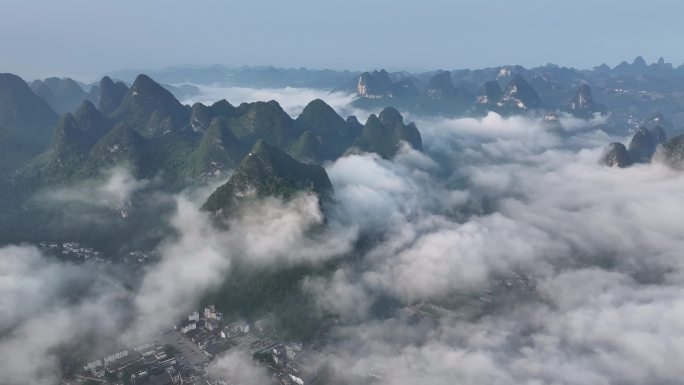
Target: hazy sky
{"x":88,"y":37}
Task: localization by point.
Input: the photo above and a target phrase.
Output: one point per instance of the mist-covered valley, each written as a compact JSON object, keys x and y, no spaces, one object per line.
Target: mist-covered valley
{"x":426,"y":240}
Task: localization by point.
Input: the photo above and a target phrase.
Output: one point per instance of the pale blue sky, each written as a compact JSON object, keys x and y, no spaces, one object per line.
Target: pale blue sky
{"x":88,"y":37}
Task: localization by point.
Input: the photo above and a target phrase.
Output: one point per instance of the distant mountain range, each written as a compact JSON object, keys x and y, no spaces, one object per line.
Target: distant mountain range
{"x":144,"y":126}
{"x":57,"y":132}
{"x":274,"y":77}
{"x":635,"y":88}
{"x":628,"y":88}
{"x":257,"y":77}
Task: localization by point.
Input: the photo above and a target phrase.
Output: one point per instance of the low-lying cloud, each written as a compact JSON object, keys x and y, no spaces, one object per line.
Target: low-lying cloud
{"x":271,"y":234}
{"x":538,"y":265}
{"x":115,"y":193}
{"x":600,"y":248}
{"x":49,"y":308}
{"x":292,"y":100}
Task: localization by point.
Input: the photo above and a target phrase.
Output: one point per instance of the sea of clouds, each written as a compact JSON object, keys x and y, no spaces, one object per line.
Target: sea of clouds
{"x":565,"y":271}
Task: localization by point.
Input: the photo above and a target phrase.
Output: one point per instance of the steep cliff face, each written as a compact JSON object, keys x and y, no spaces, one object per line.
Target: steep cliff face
{"x":489,"y":94}
{"x":582,"y":105}
{"x":642,"y":146}
{"x":375,"y":85}
{"x":615,"y":155}
{"x":519,"y":95}
{"x":673,"y":152}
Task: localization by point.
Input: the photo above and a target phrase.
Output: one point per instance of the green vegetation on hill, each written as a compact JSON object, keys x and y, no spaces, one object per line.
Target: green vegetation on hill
{"x":263,"y":120}
{"x":218,"y":150}
{"x":307,"y":148}
{"x":382,"y":134}
{"x":110,"y":95}
{"x":166,"y":156}
{"x":324,"y":134}
{"x":153,"y":134}
{"x":202,"y":116}
{"x":274,"y":293}
{"x":269,"y":171}
{"x":91,"y":120}
{"x":150,"y":109}
{"x":11,"y":154}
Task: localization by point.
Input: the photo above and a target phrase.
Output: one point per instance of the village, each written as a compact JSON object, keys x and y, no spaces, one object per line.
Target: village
{"x":182,"y":355}
{"x":77,"y":252}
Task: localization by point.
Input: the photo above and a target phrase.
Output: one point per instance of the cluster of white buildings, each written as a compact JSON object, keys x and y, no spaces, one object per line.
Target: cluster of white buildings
{"x":73,"y":249}
{"x":210,"y":312}
{"x":143,"y":347}
{"x":210,"y":320}
{"x":111,"y":362}
{"x":92,"y":365}
{"x":115,"y":357}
